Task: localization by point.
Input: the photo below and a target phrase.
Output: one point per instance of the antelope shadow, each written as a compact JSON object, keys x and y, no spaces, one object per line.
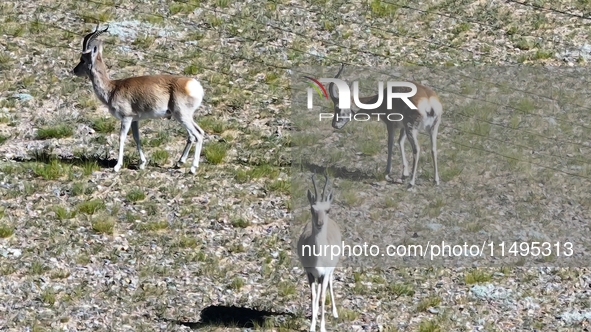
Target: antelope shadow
{"x":102,"y":161}
{"x":337,"y":171}
{"x":229,"y":316}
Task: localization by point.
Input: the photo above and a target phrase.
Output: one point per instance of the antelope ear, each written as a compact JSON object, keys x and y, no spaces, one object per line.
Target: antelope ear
{"x":96,"y":48}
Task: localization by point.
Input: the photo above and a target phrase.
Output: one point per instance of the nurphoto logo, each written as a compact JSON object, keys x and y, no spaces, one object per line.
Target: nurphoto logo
{"x":345,"y":93}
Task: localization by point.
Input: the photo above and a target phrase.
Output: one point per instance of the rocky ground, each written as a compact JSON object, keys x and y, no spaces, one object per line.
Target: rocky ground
{"x":85,"y":249}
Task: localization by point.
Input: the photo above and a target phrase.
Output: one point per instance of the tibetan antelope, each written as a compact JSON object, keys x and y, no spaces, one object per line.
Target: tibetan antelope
{"x":426,"y":117}
{"x":143,"y":97}
{"x":319,"y":264}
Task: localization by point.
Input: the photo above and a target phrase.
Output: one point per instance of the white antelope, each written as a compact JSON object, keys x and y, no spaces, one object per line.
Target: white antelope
{"x":426,"y":117}
{"x":319,"y":265}
{"x":143,"y":97}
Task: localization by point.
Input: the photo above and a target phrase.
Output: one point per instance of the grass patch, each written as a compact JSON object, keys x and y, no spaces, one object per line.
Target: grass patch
{"x":6,"y":231}
{"x":477,"y":276}
{"x":256,"y":172}
{"x":400,"y":289}
{"x":237,"y":283}
{"x":281,"y":186}
{"x":215,"y":152}
{"x":429,"y":326}
{"x":103,"y":226}
{"x":382,"y":9}
{"x":63,"y":213}
{"x":241,"y":223}
{"x":90,"y":167}
{"x":211,"y":124}
{"x":50,"y":171}
{"x":162,"y":137}
{"x":187,"y":242}
{"x":153,"y":226}
{"x":37,"y":268}
{"x":426,"y":303}
{"x":58,"y":131}
{"x":135,"y":195}
{"x":59,"y":274}
{"x":104,"y":125}
{"x":286,"y":289}
{"x":160,"y":157}
{"x":48,"y":296}
{"x":91,"y":207}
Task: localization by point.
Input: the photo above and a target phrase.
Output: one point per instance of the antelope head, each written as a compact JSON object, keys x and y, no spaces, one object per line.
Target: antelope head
{"x":340,"y":116}
{"x":91,"y":50}
{"x":320,"y":205}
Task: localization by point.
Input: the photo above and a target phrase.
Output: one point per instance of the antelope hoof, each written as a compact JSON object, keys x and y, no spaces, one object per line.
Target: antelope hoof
{"x":143,"y":165}
{"x":193,"y":170}
{"x":117,"y":168}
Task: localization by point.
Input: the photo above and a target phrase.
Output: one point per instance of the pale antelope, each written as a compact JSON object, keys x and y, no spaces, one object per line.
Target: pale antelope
{"x":426,"y":117}
{"x":143,"y":97}
{"x":315,"y":251}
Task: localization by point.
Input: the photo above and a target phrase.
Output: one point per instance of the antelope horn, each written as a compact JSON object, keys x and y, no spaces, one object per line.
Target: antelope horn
{"x":315,"y":190}
{"x":331,"y":85}
{"x":325,"y":185}
{"x":91,"y":36}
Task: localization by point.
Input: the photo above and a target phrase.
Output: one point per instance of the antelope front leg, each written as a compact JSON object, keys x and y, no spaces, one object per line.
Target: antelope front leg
{"x":323,"y":302}
{"x":136,"y":137}
{"x":125,"y":125}
{"x":335,"y":313}
{"x":199,"y":133}
{"x":312,"y":283}
{"x":401,"y":140}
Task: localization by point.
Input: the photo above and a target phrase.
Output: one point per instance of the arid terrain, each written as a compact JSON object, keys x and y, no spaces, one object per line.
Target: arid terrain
{"x":83,"y":248}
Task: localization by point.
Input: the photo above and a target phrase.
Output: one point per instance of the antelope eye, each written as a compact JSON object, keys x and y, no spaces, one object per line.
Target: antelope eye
{"x":328,"y":211}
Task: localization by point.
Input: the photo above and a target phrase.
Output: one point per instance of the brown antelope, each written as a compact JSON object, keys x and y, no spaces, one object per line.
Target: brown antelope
{"x":143,"y":97}
{"x":426,"y":117}
{"x":315,"y":245}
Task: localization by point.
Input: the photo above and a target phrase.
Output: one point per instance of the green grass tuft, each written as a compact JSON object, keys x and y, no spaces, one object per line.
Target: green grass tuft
{"x":63,"y":213}
{"x":6,"y":231}
{"x":58,"y":131}
{"x":477,"y":276}
{"x":135,"y":195}
{"x":104,"y":125}
{"x":153,"y":226}
{"x":51,"y":171}
{"x":91,"y":207}
{"x":103,"y":226}
{"x":215,"y":152}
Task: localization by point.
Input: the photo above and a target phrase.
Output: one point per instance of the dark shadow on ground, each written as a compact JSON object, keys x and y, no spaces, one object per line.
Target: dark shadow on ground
{"x":224,"y":316}
{"x":340,"y":172}
{"x":103,"y":161}
{"x":42,"y":156}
